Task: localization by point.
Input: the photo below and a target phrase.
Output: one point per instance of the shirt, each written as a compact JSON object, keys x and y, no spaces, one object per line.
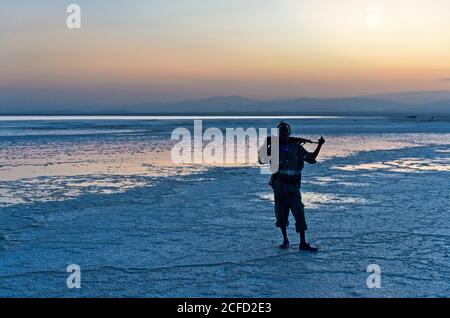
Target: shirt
{"x":291,"y":152}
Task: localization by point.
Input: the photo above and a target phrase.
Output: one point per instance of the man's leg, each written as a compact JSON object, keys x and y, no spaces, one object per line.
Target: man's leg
{"x":302,"y":237}
{"x":282,"y":215}
{"x":285,"y":243}
{"x":298,"y":210}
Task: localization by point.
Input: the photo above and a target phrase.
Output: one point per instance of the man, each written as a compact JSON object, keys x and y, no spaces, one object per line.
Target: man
{"x":287,"y":180}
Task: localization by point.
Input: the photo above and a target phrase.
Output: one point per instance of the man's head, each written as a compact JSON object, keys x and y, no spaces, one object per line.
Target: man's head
{"x":284,"y":131}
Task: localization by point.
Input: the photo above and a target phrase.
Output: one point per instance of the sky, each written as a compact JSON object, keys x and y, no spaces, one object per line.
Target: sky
{"x":154,"y":50}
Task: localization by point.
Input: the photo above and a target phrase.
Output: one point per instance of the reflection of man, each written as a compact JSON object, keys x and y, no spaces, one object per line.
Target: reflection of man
{"x":286,"y":183}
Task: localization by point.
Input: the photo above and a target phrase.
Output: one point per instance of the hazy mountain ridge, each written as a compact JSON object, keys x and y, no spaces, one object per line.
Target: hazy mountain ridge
{"x":414,"y":98}
{"x":299,"y":106}
{"x":242,"y":105}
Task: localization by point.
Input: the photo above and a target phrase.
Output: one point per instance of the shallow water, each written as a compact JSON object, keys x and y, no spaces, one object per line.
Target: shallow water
{"x":104,"y":194}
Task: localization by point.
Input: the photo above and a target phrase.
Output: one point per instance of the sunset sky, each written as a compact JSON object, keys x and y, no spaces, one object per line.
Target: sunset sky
{"x":141,"y":50}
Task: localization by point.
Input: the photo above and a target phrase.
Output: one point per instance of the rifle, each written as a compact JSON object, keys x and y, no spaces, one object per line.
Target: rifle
{"x":299,"y":140}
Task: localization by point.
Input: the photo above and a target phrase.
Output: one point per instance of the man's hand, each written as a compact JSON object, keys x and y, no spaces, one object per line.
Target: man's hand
{"x":319,"y":146}
{"x":321,"y":141}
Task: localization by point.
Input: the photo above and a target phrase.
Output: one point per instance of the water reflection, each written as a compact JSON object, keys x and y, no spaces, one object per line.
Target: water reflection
{"x":403,"y":165}
{"x":314,"y":200}
{"x":44,"y":169}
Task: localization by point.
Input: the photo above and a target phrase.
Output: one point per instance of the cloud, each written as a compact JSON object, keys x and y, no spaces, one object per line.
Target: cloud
{"x":445,"y":79}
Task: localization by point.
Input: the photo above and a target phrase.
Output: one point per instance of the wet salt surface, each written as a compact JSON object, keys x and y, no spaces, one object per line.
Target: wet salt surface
{"x":139,"y":226}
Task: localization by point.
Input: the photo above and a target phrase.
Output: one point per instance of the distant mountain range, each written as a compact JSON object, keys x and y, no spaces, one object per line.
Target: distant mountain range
{"x":407,"y":103}
{"x":416,"y":98}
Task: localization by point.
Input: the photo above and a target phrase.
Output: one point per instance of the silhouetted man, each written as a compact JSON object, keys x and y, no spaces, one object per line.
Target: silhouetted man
{"x":287,"y":180}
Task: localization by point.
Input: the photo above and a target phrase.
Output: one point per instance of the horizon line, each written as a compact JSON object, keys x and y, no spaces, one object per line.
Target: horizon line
{"x":147,"y":117}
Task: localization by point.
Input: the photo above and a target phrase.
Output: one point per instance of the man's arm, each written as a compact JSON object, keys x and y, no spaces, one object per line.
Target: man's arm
{"x":311,"y":157}
{"x":264,"y":153}
{"x":319,"y":147}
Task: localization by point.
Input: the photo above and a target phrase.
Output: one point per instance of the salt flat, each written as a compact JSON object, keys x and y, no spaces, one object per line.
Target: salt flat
{"x":104,"y":194}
